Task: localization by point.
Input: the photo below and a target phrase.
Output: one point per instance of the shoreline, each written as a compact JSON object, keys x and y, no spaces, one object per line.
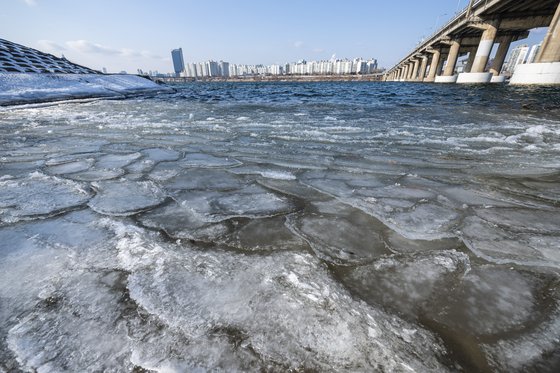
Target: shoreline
{"x":276,"y":78}
{"x":33,"y":88}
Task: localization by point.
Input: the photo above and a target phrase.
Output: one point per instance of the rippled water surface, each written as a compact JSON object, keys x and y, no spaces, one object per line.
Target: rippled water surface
{"x":269,"y":227}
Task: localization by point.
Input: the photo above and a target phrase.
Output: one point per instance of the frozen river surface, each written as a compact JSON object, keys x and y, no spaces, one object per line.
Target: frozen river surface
{"x":276,"y":227}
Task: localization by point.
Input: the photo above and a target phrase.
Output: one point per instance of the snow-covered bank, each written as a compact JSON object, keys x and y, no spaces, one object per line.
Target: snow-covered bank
{"x":19,"y":88}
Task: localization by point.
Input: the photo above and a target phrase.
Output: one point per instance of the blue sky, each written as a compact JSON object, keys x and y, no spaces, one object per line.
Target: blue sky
{"x":131,"y":34}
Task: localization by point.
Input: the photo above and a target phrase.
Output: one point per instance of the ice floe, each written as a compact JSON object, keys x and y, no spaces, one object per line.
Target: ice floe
{"x":38,"y":195}
{"x":207,"y":161}
{"x":122,"y":197}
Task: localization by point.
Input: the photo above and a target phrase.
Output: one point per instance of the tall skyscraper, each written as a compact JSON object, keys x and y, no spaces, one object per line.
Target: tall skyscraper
{"x":178,"y":63}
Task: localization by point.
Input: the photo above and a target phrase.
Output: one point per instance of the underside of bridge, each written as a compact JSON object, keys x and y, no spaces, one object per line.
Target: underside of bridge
{"x":474,"y":32}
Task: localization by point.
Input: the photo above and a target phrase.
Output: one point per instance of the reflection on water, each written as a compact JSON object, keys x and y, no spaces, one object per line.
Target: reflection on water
{"x":324,"y":226}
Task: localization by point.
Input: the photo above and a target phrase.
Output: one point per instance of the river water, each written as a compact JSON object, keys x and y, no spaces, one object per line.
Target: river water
{"x":280,"y":226}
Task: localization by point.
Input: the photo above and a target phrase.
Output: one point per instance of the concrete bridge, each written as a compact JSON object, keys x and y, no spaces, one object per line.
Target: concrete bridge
{"x":473,"y":32}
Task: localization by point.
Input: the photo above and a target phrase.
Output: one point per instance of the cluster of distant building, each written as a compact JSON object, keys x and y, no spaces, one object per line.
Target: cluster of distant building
{"x":519,"y":55}
{"x":225,"y":69}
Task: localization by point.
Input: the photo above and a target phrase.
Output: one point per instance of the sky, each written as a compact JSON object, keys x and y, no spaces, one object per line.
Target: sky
{"x":139,"y":34}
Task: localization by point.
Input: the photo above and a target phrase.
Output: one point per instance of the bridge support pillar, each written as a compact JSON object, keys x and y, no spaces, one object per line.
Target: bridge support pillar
{"x":499,"y":60}
{"x":449,"y":72}
{"x":423,"y":67}
{"x":484,"y":48}
{"x":470,"y":61}
{"x":405,"y":75}
{"x":415,"y":70}
{"x":477,"y":74}
{"x":547,"y":69}
{"x":439,"y":70}
{"x":410,"y":70}
{"x":433,"y":66}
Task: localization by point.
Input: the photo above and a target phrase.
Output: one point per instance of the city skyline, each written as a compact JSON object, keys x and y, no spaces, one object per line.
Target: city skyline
{"x":139,"y":34}
{"x":323,"y":67}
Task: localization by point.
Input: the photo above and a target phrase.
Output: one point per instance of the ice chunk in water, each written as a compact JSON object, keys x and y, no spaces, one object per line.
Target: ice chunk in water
{"x":97,"y":174}
{"x":266,"y":171}
{"x":543,"y":189}
{"x":401,"y":244}
{"x":180,"y":221}
{"x":499,"y":246}
{"x":26,"y":266}
{"x":79,"y":326}
{"x":340,"y":234}
{"x":140,"y":167}
{"x":207,"y":161}
{"x":524,"y":220}
{"x":284,"y":307}
{"x":116,"y":160}
{"x":70,"y":167}
{"x":491,"y":300}
{"x":426,"y":221}
{"x":124,"y":197}
{"x":267,"y":234}
{"x":19,"y":169}
{"x":37,"y":255}
{"x":398,"y":192}
{"x":538,"y":349}
{"x":203,"y":179}
{"x":406,"y":283}
{"x":294,"y":189}
{"x":59,"y":160}
{"x":160,"y":155}
{"x":337,"y":188}
{"x":470,"y":197}
{"x":164,"y":171}
{"x":38,"y":194}
{"x":251,"y":201}
{"x":339,"y":183}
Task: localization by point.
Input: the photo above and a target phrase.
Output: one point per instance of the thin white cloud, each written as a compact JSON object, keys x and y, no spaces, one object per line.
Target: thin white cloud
{"x":50,"y":46}
{"x":318,"y":50}
{"x":85,"y":46}
{"x":30,"y":2}
{"x":298,"y":44}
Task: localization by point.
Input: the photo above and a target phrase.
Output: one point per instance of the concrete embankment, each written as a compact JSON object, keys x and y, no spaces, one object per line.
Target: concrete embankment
{"x":24,"y":88}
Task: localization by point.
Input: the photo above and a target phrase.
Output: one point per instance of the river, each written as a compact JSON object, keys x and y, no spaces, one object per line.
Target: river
{"x":276,"y":226}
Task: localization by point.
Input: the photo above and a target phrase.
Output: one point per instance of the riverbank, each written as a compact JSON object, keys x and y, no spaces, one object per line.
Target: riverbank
{"x":25,"y":88}
{"x":278,"y":78}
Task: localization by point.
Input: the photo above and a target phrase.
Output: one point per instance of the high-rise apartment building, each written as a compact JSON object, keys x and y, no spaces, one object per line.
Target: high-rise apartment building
{"x":517,"y":56}
{"x":211,"y":69}
{"x":533,"y":52}
{"x":223,"y":68}
{"x":178,"y":62}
